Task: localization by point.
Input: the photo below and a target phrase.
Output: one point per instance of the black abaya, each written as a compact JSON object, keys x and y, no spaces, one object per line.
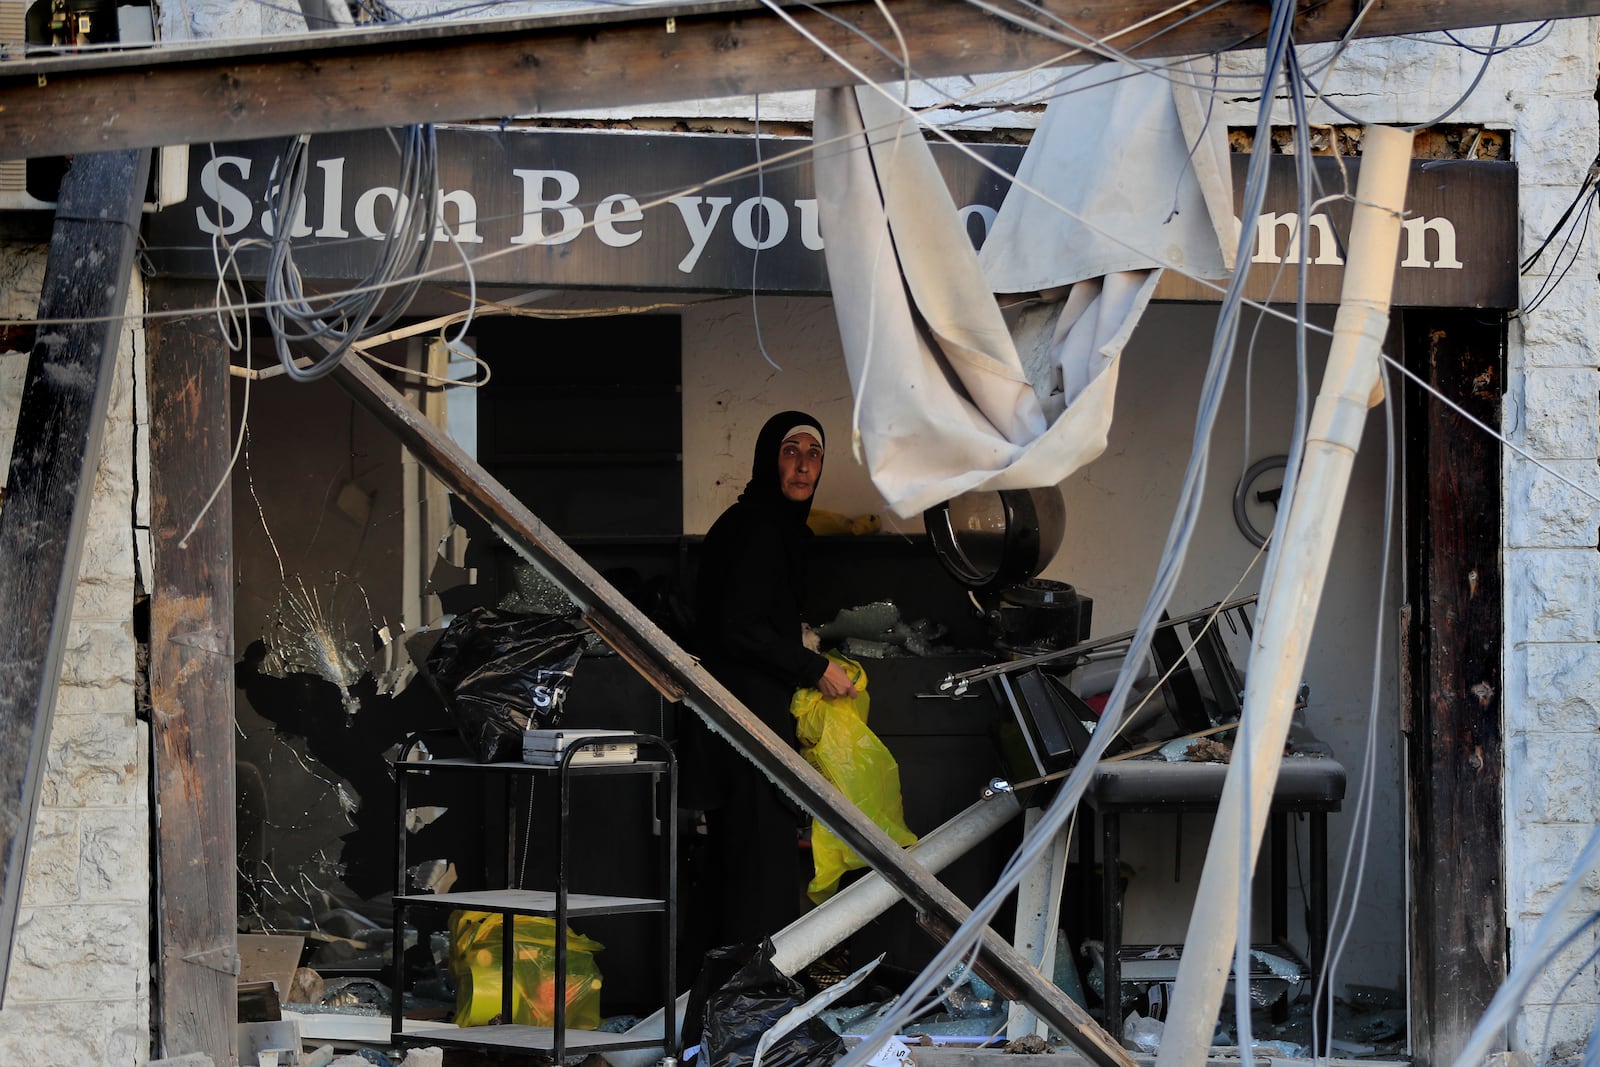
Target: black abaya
{"x":748,"y":603}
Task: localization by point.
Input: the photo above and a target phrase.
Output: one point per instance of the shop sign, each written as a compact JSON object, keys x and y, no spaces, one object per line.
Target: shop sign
{"x":665,"y":211}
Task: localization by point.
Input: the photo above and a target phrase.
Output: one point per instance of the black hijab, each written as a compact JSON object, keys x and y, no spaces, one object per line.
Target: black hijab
{"x":764,"y":491}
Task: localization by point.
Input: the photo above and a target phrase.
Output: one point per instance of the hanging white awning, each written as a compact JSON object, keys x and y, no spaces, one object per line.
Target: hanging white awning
{"x":952,"y":394}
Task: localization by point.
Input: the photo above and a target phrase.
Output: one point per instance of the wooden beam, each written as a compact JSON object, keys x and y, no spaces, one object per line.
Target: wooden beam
{"x":1456,"y":744}
{"x":367,"y":79}
{"x":1012,"y":974}
{"x":53,"y":461}
{"x":192,"y":682}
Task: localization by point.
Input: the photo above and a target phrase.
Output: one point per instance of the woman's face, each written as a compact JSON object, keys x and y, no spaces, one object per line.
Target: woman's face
{"x":799,"y":466}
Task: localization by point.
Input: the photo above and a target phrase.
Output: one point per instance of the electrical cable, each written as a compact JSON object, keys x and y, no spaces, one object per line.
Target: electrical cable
{"x":1553,"y":280}
{"x":337,"y":322}
{"x":1587,"y":189}
{"x":1366,"y":791}
{"x":1434,"y":392}
{"x":755,"y":255}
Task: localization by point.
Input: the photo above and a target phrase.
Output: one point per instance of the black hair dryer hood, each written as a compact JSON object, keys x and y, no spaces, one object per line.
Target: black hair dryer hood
{"x":994,"y":539}
{"x":995,"y":543}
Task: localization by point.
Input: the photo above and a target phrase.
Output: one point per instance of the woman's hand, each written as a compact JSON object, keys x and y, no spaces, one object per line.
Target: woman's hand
{"x":835,"y":682}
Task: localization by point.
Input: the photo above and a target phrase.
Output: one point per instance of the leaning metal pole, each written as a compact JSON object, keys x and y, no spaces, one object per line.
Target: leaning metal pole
{"x":1350,"y":386}
{"x":679,"y":676}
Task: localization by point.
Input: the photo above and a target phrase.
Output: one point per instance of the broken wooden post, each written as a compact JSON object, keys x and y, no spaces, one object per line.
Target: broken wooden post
{"x":656,"y":654}
{"x":53,"y":461}
{"x":191,"y":671}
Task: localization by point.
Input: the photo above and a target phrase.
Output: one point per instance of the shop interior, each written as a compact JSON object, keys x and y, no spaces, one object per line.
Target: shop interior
{"x":628,"y":433}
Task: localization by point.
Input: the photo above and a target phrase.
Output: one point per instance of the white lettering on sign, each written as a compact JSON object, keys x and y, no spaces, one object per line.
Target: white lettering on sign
{"x":1416,"y":232}
{"x":229,"y":210}
{"x":332,"y":198}
{"x":699,"y":226}
{"x":554,"y":210}
{"x":269,"y":223}
{"x":744,"y":230}
{"x":1325,"y":250}
{"x":986,"y":216}
{"x":810,"y":228}
{"x":535,"y":204}
{"x":367,"y":210}
{"x":618,"y":207}
{"x":465,"y":227}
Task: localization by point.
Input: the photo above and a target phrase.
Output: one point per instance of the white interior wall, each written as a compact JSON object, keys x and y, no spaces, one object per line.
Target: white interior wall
{"x":730,"y":388}
{"x":1118,"y":512}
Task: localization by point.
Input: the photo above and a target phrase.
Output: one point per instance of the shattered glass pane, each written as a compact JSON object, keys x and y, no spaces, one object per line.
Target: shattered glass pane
{"x":432,"y":876}
{"x":417,"y":818}
{"x":320,"y":633}
{"x":534,"y":592}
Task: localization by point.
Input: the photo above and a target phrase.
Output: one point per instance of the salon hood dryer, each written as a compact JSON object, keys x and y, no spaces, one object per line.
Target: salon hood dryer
{"x":995,"y":543}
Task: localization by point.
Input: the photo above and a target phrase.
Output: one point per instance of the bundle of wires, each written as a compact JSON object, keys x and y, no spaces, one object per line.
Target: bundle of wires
{"x":373,"y":305}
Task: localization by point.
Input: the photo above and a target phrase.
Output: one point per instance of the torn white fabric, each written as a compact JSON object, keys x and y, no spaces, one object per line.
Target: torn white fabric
{"x":950,"y":395}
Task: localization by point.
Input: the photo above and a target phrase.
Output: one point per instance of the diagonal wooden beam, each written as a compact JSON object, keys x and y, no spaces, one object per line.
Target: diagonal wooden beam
{"x":653,"y":651}
{"x":53,"y":461}
{"x":444,"y":72}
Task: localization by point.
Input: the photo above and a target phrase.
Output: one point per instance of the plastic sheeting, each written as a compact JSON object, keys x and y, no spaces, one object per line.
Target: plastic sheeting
{"x":502,"y":673}
{"x":835,"y":739}
{"x":953,"y":395}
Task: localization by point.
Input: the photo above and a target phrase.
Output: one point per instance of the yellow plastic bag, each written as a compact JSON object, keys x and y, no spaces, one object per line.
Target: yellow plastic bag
{"x":476,"y":944}
{"x":834,"y":739}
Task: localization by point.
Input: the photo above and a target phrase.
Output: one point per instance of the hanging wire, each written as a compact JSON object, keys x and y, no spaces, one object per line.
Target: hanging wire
{"x":1585,"y":196}
{"x":339,"y":321}
{"x":1572,"y":249}
{"x":1342,"y":922}
{"x":759,"y":239}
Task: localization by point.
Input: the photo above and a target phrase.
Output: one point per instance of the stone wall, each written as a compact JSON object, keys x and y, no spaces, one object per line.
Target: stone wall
{"x":1552,"y":569}
{"x":79,"y":985}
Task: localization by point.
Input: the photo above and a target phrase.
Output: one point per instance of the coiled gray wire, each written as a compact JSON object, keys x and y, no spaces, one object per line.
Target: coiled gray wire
{"x":384,"y":294}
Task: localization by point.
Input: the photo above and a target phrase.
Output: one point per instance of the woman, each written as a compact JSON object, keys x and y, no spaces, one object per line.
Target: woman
{"x":748,"y":603}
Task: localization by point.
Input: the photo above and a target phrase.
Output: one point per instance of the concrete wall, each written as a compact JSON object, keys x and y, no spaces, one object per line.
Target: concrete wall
{"x":79,"y":986}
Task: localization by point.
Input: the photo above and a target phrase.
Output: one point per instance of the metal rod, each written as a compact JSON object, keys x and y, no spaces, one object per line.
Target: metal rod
{"x":961,"y":679}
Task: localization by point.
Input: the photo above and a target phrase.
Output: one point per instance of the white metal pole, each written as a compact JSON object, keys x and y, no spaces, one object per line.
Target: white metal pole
{"x":1350,"y":386}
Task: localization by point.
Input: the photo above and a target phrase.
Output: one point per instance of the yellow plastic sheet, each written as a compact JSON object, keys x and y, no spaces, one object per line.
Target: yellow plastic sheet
{"x":476,"y":944}
{"x":834,"y":739}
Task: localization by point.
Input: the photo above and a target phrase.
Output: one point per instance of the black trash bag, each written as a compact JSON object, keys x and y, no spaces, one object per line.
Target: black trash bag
{"x":503,"y":672}
{"x":743,"y":996}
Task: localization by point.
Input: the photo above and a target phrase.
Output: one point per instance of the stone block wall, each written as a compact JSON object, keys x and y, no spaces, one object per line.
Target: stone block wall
{"x":1552,"y":568}
{"x":78,"y":991}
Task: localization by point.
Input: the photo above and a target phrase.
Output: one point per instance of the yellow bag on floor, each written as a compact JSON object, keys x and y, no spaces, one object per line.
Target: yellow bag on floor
{"x":834,"y":739}
{"x":476,"y":944}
